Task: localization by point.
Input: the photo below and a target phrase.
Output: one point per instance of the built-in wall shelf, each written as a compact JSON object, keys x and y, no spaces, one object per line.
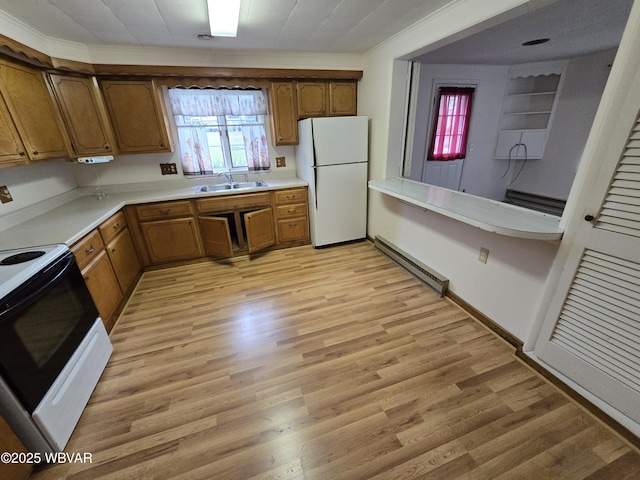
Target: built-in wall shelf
{"x":490,"y":215}
{"x":529,"y":103}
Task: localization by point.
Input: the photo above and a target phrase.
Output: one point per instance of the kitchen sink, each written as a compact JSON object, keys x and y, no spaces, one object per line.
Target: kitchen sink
{"x":221,"y":187}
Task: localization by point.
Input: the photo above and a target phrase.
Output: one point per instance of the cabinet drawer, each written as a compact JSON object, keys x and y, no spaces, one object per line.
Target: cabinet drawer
{"x":295,"y":195}
{"x":87,"y":248}
{"x":294,"y":229}
{"x":159,"y":210}
{"x":112,"y":227}
{"x":229,"y":202}
{"x":291,"y":211}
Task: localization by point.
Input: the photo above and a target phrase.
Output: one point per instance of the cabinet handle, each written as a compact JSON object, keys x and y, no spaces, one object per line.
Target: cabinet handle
{"x":164,"y":212}
{"x":86,"y":279}
{"x":107,"y":147}
{"x":116,"y":226}
{"x":91,"y":249}
{"x":293,"y":225}
{"x":113,"y":250}
{"x":22,"y":154}
{"x":292,"y":211}
{"x":36,"y":152}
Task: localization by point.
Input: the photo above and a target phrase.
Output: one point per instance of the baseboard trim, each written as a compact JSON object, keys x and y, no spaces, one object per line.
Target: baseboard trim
{"x":486,"y":321}
{"x":625,"y":434}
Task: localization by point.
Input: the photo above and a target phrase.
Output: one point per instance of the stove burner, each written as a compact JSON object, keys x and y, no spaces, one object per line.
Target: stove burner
{"x":21,"y":257}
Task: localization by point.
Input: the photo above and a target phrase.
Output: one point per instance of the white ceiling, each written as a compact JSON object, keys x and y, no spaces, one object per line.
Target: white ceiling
{"x":327,"y":26}
{"x":575,"y":27}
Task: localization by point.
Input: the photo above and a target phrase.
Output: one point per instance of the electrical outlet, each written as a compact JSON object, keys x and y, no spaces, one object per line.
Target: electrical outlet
{"x":168,"y":169}
{"x":484,"y":255}
{"x":281,"y":162}
{"x":5,"y":196}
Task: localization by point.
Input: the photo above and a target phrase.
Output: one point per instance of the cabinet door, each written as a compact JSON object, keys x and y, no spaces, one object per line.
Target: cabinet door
{"x":283,"y":116}
{"x":171,"y":240}
{"x":260,"y":229}
{"x":343,"y":98}
{"x":124,"y":259}
{"x":136,"y":115}
{"x":12,"y":151}
{"x":216,"y":236}
{"x":84,"y":114}
{"x":103,"y":286}
{"x":312,"y":99}
{"x":31,"y":106}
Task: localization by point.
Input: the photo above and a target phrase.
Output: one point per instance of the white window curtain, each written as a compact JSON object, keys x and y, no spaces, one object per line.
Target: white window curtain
{"x":194,"y":149}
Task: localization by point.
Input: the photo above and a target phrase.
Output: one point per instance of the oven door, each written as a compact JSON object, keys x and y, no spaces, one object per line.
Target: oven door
{"x":42,"y":323}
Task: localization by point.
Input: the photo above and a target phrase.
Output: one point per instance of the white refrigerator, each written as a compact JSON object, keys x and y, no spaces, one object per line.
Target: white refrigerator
{"x":332,"y":157}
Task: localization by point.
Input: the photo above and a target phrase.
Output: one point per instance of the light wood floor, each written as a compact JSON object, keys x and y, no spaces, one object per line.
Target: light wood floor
{"x":322,"y":365}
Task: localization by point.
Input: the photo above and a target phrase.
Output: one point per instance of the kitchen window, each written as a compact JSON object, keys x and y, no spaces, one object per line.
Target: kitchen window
{"x":220,"y":130}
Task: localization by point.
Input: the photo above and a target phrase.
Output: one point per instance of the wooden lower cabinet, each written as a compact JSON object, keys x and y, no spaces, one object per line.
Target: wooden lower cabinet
{"x":110,"y":266}
{"x":171,"y":240}
{"x":236,"y":224}
{"x":124,"y":259}
{"x":104,"y":287}
{"x":292,"y":215}
{"x":221,"y":226}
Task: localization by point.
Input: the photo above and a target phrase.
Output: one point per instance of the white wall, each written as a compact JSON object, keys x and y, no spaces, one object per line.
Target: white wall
{"x":509,"y":287}
{"x":481,"y":172}
{"x":582,"y":89}
{"x":34,"y":183}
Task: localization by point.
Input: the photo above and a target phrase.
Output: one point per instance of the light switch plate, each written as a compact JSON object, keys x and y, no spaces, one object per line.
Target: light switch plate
{"x":281,"y":162}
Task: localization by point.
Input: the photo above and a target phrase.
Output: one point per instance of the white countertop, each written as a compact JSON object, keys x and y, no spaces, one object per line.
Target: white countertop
{"x":68,"y":222}
{"x":490,"y":215}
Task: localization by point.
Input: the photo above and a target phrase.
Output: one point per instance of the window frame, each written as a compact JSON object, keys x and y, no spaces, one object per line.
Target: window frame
{"x":446,"y":89}
{"x":225,"y":142}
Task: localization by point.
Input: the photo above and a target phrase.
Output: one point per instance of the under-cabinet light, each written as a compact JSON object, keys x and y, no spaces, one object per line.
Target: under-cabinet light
{"x":223,"y":17}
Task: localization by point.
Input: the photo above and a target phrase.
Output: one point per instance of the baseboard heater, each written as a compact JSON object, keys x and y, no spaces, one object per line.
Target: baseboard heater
{"x":426,"y":275}
{"x":554,"y":206}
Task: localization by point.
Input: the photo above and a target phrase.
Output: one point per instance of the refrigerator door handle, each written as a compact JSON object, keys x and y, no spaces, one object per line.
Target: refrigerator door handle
{"x":315,"y":184}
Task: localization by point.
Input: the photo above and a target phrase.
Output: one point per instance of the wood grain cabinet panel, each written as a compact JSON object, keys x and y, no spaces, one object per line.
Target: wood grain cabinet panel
{"x":343,"y":98}
{"x":104,"y":287}
{"x":12,"y":151}
{"x":124,"y":259}
{"x":292,"y":216}
{"x":171,"y":240}
{"x":312,"y":99}
{"x":137,"y":116}
{"x":283,"y":113}
{"x":84,"y":114}
{"x":34,"y":115}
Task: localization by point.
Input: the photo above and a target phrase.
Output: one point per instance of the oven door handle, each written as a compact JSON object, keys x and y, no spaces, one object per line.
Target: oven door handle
{"x":36,"y":286}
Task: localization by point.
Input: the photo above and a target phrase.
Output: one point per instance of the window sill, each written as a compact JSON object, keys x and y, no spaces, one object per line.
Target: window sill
{"x":489,"y":215}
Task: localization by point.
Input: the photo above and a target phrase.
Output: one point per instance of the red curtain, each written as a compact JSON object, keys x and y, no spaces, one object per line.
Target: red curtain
{"x":451,"y":126}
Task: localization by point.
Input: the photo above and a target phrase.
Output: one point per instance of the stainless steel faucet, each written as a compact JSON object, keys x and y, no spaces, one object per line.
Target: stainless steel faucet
{"x":228,"y":175}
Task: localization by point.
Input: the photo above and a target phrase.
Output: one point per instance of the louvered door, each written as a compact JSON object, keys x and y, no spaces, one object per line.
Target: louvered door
{"x":595,"y":340}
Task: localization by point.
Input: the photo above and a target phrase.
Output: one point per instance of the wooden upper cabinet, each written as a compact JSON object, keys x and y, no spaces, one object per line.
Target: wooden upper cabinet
{"x":12,"y":152}
{"x":84,"y":114}
{"x":137,"y":116}
{"x":312,"y":99}
{"x":32,"y":110}
{"x":343,"y":98}
{"x":283,"y":113}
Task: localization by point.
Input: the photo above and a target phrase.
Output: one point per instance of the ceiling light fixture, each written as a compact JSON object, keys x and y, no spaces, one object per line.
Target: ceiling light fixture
{"x":223,"y":17}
